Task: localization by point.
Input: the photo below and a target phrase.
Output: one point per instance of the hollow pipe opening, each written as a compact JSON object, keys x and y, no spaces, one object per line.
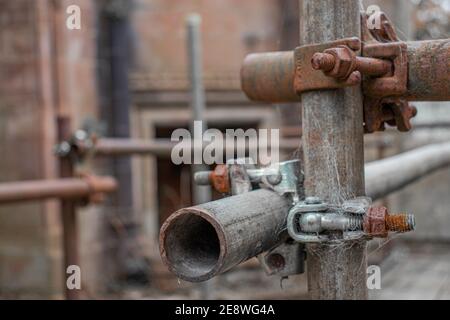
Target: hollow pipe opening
{"x":192,"y":245}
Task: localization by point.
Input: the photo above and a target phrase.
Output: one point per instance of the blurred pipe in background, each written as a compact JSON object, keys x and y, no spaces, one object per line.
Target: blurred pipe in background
{"x":201,"y":194}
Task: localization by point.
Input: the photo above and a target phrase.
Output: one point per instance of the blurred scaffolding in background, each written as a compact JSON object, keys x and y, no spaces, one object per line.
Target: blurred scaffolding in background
{"x":125,"y":75}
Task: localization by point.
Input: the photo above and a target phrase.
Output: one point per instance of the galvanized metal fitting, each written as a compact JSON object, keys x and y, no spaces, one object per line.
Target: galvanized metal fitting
{"x":309,"y":220}
{"x":81,"y":143}
{"x":285,"y":260}
{"x":285,"y":178}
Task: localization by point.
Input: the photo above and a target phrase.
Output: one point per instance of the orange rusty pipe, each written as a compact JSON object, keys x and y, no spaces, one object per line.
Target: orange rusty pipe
{"x":68,"y":188}
{"x":269,"y":77}
{"x":429,"y":70}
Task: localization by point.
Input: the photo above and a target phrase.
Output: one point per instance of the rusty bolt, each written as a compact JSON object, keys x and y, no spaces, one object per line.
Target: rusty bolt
{"x":378,"y":222}
{"x":337,"y":62}
{"x":219,"y":178}
{"x":341,"y":62}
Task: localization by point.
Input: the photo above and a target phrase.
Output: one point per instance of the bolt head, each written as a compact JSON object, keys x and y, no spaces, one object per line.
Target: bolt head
{"x":345,"y":60}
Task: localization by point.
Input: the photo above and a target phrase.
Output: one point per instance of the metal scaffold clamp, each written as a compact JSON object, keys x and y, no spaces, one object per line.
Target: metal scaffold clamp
{"x":239,"y":176}
{"x":311,"y":220}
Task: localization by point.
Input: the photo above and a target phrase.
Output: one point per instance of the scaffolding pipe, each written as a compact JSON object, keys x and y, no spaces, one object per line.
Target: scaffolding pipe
{"x":200,"y":242}
{"x":391,"y":174}
{"x":67,"y":188}
{"x":159,"y":147}
{"x":201,"y":194}
{"x":269,"y":76}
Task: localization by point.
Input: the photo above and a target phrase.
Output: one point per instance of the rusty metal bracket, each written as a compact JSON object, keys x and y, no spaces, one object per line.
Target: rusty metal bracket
{"x":382,"y":102}
{"x":306,"y":78}
{"x":390,"y":85}
{"x":392,"y":72}
{"x":382,"y":69}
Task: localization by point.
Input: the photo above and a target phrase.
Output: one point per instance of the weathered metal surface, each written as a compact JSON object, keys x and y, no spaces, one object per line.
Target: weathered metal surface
{"x":340,"y":62}
{"x":378,"y":222}
{"x":285,"y":260}
{"x":220,"y":179}
{"x":113,"y":147}
{"x":375,"y":222}
{"x":307,"y":78}
{"x":422,"y":73}
{"x":201,"y":242}
{"x":395,"y":82}
{"x":239,"y":179}
{"x":235,"y":178}
{"x":269,"y":77}
{"x":396,"y":112}
{"x":67,"y":188}
{"x":428,"y":70}
{"x":124,"y":147}
{"x":333,"y":153}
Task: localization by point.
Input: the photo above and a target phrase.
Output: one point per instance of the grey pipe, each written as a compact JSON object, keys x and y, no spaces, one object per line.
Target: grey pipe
{"x":200,"y":242}
{"x":391,"y":174}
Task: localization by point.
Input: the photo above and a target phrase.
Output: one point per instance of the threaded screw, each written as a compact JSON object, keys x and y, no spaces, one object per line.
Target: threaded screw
{"x":400,"y":222}
{"x":354,"y":223}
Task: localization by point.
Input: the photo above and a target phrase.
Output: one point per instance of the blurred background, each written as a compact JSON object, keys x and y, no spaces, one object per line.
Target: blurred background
{"x":125,"y":74}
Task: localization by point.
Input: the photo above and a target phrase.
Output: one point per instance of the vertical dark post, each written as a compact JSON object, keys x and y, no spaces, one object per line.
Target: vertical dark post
{"x":68,"y":212}
{"x":333,"y":153}
{"x":115,"y":54}
{"x":120,"y":30}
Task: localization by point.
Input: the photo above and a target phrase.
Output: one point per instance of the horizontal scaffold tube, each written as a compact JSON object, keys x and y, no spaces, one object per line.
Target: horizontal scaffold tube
{"x":163,"y":147}
{"x":197,"y":243}
{"x":269,"y":77}
{"x":391,"y":174}
{"x":200,"y":242}
{"x":69,"y":188}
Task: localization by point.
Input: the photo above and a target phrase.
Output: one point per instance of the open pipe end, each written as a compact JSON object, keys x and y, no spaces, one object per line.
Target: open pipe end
{"x":192,"y":245}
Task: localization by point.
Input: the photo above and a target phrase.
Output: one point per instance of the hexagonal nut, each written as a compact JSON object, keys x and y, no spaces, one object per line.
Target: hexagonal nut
{"x":219,"y":179}
{"x":345,"y":62}
{"x":374,"y":223}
